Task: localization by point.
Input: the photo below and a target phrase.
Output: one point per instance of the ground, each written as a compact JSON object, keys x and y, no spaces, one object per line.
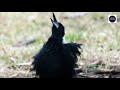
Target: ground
{"x":100,"y":39}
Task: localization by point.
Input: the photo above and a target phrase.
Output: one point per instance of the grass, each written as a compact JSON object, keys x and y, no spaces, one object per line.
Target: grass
{"x":100,"y":39}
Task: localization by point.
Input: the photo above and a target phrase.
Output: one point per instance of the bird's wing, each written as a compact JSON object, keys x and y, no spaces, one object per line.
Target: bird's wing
{"x":73,"y":49}
{"x":39,"y":55}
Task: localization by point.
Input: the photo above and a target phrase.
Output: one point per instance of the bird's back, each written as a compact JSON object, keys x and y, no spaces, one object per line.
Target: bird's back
{"x":55,"y":60}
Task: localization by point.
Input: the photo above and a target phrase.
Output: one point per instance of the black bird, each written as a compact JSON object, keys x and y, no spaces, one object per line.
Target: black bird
{"x":56,"y":59}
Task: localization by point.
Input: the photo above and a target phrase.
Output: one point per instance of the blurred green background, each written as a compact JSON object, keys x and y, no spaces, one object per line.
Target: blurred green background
{"x":100,"y":39}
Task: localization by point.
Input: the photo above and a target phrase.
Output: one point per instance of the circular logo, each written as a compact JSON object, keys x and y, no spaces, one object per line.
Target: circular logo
{"x":112,"y":19}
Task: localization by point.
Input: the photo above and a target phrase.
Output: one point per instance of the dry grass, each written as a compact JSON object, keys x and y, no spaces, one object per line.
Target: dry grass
{"x":101,"y":40}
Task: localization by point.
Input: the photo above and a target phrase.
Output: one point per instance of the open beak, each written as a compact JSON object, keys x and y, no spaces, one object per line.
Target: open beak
{"x":54,"y":21}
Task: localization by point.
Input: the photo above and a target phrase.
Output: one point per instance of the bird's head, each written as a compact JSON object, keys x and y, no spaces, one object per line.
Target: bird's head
{"x":57,"y":28}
